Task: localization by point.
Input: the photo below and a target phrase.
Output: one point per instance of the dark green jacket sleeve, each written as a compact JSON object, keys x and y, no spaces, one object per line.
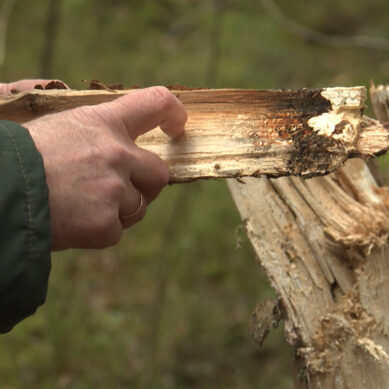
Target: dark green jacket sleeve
{"x":24,"y":226}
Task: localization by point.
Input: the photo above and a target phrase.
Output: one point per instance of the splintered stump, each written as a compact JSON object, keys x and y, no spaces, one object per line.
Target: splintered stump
{"x":237,"y":133}
{"x":323,"y":243}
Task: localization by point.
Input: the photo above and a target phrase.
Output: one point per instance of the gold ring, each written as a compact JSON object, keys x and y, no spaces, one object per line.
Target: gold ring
{"x":137,"y":211}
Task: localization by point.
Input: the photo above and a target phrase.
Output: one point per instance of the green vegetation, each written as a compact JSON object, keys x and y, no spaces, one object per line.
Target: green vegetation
{"x":169,"y":306}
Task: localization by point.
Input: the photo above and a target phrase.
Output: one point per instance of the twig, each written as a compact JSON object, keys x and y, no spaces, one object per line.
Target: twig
{"x":322,"y":38}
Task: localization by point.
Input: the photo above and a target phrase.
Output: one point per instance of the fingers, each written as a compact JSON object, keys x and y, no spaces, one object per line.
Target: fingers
{"x":24,"y":85}
{"x":145,"y":109}
{"x":147,"y":176}
{"x":132,"y":207}
{"x":149,"y":173}
{"x":3,"y":89}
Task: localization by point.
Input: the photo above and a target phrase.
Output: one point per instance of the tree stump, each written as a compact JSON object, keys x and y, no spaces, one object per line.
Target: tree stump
{"x":323,"y":245}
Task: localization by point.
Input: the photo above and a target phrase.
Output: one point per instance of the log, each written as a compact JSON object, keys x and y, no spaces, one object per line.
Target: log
{"x":324,"y":246}
{"x":237,"y":133}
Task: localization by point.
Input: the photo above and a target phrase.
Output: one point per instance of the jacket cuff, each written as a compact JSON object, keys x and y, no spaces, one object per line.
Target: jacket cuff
{"x":24,"y":226}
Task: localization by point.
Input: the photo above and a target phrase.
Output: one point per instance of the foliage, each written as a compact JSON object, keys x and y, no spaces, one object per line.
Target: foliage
{"x":169,"y":306}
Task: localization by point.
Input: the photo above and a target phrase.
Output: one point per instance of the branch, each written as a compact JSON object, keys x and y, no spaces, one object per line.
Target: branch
{"x":319,"y":37}
{"x":236,"y":133}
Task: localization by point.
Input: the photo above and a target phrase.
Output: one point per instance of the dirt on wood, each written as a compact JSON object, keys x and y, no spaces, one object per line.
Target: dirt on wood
{"x":51,"y":85}
{"x":98,"y":85}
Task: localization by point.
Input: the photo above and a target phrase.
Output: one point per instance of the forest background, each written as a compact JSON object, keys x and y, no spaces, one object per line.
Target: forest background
{"x":169,"y":306}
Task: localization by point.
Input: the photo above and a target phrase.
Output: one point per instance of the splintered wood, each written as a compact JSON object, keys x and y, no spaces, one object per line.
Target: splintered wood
{"x":323,"y":244}
{"x":380,"y":99}
{"x":237,"y":133}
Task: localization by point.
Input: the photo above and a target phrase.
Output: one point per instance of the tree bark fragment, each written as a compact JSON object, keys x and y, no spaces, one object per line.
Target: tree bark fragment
{"x":237,"y":133}
{"x":323,"y":243}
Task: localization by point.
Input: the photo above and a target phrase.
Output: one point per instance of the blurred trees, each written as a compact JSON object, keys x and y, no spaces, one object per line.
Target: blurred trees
{"x":53,"y":20}
{"x":142,"y":43}
{"x":99,"y":326}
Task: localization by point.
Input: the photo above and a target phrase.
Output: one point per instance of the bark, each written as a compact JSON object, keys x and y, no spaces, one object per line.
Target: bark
{"x":236,"y":133}
{"x":323,"y":244}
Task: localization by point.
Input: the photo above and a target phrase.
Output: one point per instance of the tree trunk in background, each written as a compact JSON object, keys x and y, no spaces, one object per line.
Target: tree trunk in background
{"x":50,"y":38}
{"x":323,"y":244}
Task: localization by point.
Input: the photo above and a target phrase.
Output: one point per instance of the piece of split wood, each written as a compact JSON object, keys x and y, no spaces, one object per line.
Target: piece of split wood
{"x":237,"y":133}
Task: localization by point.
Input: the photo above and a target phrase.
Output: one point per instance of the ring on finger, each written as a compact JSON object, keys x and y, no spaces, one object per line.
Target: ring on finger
{"x":133,"y":214}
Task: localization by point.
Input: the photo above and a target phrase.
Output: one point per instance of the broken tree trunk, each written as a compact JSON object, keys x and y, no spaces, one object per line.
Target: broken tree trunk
{"x":323,"y":243}
{"x":236,"y":133}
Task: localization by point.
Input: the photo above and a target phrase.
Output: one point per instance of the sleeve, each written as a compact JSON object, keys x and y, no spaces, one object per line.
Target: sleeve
{"x":24,"y":226}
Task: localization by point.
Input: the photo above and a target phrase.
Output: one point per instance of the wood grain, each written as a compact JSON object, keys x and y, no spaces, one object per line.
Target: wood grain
{"x":237,"y":133}
{"x":324,"y":246}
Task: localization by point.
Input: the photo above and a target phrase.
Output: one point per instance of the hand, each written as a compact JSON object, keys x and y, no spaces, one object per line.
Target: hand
{"x":21,"y":86}
{"x":96,"y":174}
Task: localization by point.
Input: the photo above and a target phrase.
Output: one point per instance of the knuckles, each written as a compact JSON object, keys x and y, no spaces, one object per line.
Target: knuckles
{"x":107,"y":157}
{"x":116,"y":154}
{"x":114,"y":188}
{"x":152,"y":173}
{"x":161,"y":96}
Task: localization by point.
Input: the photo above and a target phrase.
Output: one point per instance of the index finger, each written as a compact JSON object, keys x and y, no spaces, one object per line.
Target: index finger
{"x":145,"y":109}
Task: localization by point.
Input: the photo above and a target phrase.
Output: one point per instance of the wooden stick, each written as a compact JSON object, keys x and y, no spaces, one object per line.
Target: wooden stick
{"x":236,"y":133}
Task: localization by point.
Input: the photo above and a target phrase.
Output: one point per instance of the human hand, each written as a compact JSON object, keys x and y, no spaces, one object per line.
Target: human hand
{"x":21,"y":85}
{"x":99,"y":181}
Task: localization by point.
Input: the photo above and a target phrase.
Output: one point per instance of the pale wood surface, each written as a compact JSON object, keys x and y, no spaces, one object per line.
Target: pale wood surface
{"x":236,"y":133}
{"x":380,"y":100}
{"x":324,"y":246}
